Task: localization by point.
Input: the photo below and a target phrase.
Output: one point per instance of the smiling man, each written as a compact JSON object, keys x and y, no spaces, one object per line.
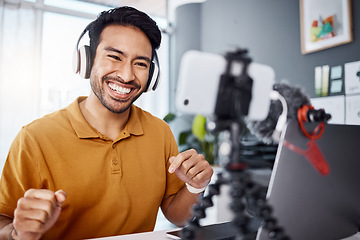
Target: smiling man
{"x":101,"y":166}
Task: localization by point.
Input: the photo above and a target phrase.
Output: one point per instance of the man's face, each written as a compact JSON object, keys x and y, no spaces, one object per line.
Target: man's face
{"x":121,"y":67}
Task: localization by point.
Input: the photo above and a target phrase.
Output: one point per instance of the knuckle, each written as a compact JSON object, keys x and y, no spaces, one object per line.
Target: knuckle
{"x":48,"y":206}
{"x":193,"y":151}
{"x":16,"y":214}
{"x":44,"y":216}
{"x":198,"y":178}
{"x":37,"y":226}
{"x":21,"y":202}
{"x":191,"y":173}
{"x":186,"y":165}
{"x":205,"y":163}
{"x":16,"y":223}
{"x":29,"y":192}
{"x":184,"y":171}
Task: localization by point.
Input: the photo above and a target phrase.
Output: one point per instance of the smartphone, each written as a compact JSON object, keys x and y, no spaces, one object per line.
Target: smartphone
{"x":199,"y":78}
{"x":224,"y":231}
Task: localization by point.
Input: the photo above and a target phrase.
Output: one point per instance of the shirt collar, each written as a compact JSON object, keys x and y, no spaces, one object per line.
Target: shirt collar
{"x":84,"y":130}
{"x":134,"y":126}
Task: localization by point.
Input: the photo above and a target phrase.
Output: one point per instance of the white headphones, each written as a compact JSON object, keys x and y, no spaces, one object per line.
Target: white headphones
{"x":82,"y":63}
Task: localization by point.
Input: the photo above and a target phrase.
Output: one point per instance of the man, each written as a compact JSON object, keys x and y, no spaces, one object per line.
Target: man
{"x":101,"y":166}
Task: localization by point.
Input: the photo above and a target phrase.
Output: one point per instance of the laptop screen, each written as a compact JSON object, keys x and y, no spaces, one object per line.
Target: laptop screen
{"x":309,"y":203}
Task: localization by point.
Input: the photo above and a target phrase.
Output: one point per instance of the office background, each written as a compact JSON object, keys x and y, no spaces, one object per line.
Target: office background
{"x":270,"y":30}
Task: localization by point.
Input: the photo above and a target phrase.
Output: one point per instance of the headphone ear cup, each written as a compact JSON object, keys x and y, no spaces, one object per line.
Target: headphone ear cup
{"x":84,"y":61}
{"x":154,"y":77}
{"x":76,"y":61}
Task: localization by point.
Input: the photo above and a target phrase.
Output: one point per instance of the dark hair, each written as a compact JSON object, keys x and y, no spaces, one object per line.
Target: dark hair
{"x":125,"y":16}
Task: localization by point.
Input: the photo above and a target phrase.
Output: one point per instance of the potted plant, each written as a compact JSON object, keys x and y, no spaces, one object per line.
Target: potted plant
{"x":196,"y":137}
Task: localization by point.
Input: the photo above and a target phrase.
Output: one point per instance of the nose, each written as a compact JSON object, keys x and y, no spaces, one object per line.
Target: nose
{"x":125,"y":72}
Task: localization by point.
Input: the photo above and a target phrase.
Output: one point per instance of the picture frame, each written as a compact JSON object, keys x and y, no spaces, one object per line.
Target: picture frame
{"x":324,"y":24}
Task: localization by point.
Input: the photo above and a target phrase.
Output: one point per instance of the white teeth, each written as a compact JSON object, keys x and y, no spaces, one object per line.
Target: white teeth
{"x":119,"y":89}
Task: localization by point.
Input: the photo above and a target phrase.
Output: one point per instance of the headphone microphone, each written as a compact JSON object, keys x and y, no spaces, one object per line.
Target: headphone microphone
{"x":82,"y":63}
{"x":280,"y":125}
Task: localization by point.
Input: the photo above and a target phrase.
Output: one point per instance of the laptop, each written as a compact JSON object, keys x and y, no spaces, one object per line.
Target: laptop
{"x":309,"y":203}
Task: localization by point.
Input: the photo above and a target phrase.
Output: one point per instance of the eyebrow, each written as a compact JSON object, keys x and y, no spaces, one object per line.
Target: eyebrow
{"x":111,"y":49}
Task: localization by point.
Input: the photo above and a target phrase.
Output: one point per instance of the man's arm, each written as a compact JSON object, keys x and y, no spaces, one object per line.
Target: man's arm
{"x":177,"y":207}
{"x":6,"y":227}
{"x":193,"y":169}
{"x":35,"y":213}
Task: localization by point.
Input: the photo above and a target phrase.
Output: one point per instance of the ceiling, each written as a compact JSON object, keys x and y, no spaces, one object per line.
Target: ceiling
{"x":152,"y":7}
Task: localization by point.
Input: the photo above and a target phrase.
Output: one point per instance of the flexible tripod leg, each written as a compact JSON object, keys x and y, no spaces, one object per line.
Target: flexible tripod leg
{"x":189,"y":231}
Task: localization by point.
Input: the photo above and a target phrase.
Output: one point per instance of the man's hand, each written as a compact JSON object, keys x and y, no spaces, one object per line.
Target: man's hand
{"x":192,"y":168}
{"x":36,"y":213}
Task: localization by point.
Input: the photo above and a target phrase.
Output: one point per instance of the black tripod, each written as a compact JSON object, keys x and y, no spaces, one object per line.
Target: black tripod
{"x":232,"y":105}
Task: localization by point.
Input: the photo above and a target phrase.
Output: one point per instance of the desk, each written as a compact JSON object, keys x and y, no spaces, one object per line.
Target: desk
{"x":209,"y":232}
{"x":156,"y":235}
{"x":161,"y":235}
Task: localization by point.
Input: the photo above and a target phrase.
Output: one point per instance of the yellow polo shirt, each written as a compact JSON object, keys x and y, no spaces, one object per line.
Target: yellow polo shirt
{"x":113,"y":187}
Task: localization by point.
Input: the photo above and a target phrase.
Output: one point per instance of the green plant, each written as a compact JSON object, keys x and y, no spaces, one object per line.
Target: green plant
{"x":196,"y":137}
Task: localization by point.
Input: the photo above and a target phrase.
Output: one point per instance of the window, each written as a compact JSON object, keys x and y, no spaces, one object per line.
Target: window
{"x":76,"y":5}
{"x":59,"y":85}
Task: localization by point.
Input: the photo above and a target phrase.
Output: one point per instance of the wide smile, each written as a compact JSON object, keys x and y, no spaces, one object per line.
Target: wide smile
{"x":119,"y":89}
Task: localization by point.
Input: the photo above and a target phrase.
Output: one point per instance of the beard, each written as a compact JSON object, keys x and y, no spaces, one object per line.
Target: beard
{"x":113,"y":105}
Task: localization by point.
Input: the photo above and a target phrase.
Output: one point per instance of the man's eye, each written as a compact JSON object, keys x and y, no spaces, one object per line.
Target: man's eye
{"x":114,"y":57}
{"x":141,"y":64}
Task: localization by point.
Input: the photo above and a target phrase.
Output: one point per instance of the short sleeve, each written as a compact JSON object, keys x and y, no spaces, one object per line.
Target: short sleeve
{"x":20,"y":172}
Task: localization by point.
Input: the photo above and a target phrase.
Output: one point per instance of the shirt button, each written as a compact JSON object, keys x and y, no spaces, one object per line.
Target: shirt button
{"x":115,"y":162}
{"x":113,"y":146}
